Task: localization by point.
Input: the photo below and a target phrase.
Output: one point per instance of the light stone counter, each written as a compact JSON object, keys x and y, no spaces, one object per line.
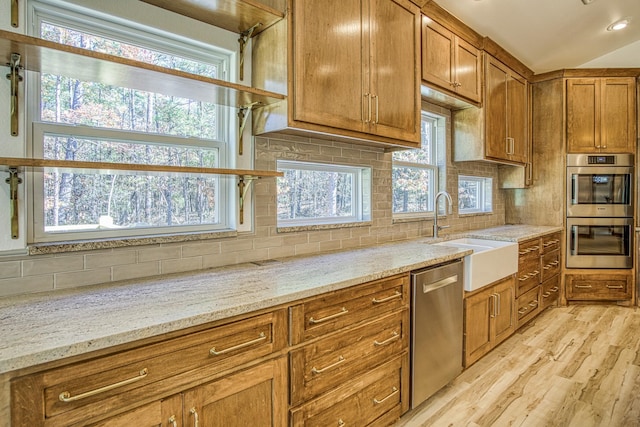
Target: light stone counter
{"x":40,"y":328}
{"x":513,"y":233}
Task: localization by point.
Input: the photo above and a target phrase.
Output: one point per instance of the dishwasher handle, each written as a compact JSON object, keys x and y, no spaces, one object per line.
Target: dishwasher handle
{"x":430,"y":287}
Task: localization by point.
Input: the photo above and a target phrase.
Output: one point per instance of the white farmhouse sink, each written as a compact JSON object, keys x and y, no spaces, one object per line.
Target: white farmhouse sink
{"x":491,"y":260}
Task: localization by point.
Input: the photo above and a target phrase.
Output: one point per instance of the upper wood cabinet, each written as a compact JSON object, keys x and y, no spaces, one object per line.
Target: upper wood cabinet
{"x":601,"y":115}
{"x":499,"y":131}
{"x":449,"y":62}
{"x":353,"y":71}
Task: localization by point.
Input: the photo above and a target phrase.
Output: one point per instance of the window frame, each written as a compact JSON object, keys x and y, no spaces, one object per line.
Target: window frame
{"x":482,"y":182}
{"x":360,"y":197}
{"x":129,"y":31}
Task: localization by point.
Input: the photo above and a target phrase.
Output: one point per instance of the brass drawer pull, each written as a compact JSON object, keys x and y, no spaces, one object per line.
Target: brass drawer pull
{"x":333,"y":365}
{"x":194,"y":412}
{"x":615,"y":287}
{"x":172,"y":421}
{"x":394,"y":337}
{"x":554,"y":289}
{"x":394,"y":296}
{"x":523,"y":278}
{"x":66,"y":397}
{"x":546,"y":295}
{"x":394,"y":391}
{"x":533,"y":303}
{"x":213,"y":351}
{"x":341,"y":423}
{"x":342,"y":312}
{"x":548,"y":266}
{"x":523,"y":310}
{"x":583,"y":286}
{"x":535,"y":273}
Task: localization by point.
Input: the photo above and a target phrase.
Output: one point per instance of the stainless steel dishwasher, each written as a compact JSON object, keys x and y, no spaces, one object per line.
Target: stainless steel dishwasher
{"x":436,"y":329}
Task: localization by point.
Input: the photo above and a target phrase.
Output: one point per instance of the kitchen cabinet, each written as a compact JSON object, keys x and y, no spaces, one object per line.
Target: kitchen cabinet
{"x":488,"y":318}
{"x":599,"y":285}
{"x":353,"y":71}
{"x":499,"y":131}
{"x":349,"y":337}
{"x":601,"y":115}
{"x":449,"y":62}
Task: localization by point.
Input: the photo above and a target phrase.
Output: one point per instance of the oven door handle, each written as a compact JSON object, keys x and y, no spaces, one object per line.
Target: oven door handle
{"x":574,"y":184}
{"x":574,"y":240}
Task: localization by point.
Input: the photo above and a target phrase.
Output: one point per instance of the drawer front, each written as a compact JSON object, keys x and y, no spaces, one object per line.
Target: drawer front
{"x":551,"y":265}
{"x":529,"y":249}
{"x":327,"y":363}
{"x":551,"y":242}
{"x":109,"y":383}
{"x":361,"y":401}
{"x":550,"y":292}
{"x":605,"y":287}
{"x":330,"y":312}
{"x":528,"y":275}
{"x":528,"y":306}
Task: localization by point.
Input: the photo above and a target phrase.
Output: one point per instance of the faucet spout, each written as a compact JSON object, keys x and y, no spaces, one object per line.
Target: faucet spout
{"x":437,"y":227}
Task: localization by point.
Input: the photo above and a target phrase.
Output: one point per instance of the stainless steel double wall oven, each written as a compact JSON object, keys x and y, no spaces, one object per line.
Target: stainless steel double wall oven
{"x":600,"y":206}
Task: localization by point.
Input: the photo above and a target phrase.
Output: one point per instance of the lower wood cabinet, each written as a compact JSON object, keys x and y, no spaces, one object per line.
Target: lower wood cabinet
{"x":488,"y":318}
{"x":599,"y":286}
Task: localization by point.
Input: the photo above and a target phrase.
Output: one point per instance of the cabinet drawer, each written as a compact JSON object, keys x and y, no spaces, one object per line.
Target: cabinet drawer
{"x":528,"y":306}
{"x":606,"y":287}
{"x":550,"y":265}
{"x":528,"y":275}
{"x":110,"y":383}
{"x":550,"y":292}
{"x":550,"y":242}
{"x":335,"y":310}
{"x":361,"y":401}
{"x":331,"y":361}
{"x":529,"y":250}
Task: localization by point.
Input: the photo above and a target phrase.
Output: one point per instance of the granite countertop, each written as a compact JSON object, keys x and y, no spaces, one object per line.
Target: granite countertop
{"x":44,"y":327}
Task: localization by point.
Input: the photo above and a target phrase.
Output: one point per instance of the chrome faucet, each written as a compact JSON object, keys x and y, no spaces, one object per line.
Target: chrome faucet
{"x":437,"y":227}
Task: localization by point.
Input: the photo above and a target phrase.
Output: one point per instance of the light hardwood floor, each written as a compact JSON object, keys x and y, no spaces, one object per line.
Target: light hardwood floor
{"x":572,"y":366}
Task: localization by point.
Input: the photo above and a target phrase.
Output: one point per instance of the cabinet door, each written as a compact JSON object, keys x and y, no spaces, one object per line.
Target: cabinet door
{"x":394,"y":52}
{"x":583,"y":116}
{"x":256,"y":397}
{"x":437,"y":54}
{"x":468,"y":70}
{"x":517,"y":122}
{"x":496,"y":110}
{"x":478,"y":312}
{"x":504,"y":320}
{"x":329,"y":85}
{"x":155,"y":414}
{"x":618,"y":127}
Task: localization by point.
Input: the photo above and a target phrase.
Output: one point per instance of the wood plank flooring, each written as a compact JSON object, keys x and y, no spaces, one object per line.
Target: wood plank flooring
{"x":576,"y":366}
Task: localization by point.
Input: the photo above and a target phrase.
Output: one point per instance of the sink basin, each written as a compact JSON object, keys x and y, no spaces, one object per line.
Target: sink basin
{"x":491,"y":260}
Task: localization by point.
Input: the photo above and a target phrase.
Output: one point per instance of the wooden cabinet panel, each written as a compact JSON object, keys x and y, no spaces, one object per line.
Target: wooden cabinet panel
{"x":550,"y":292}
{"x":329,"y":362}
{"x":550,"y":265}
{"x":468,"y":70}
{"x":488,"y":319}
{"x":528,"y":275}
{"x":254,"y":397}
{"x":601,"y":286}
{"x":330,"y":312}
{"x":528,"y":306}
{"x":517,"y":119}
{"x":382,"y":393}
{"x":155,"y":414}
{"x":601,"y":115}
{"x":551,"y":242}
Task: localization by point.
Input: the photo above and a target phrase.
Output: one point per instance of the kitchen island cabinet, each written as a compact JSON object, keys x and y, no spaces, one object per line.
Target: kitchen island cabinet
{"x":350,"y":69}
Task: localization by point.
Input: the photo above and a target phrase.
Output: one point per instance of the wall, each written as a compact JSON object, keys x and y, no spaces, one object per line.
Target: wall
{"x":26,"y":274}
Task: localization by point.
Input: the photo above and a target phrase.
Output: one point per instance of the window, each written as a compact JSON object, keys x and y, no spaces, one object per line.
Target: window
{"x":316,"y":193}
{"x":91,"y":121}
{"x":415,"y":174}
{"x":474,"y":194}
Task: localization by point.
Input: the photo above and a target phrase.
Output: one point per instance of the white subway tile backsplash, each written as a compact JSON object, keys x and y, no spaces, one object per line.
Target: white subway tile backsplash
{"x":40,"y":266}
{"x":10,"y":269}
{"x":75,"y":279}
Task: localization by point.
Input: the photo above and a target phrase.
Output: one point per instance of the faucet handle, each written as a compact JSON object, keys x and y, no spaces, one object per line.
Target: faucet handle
{"x":443,"y":226}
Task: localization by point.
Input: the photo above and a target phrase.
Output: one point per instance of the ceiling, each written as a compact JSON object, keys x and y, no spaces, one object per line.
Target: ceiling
{"x":548,"y":35}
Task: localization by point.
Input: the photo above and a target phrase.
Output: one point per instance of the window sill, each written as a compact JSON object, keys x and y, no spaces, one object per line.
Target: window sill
{"x":298,"y":228}
{"x":464,"y":215}
{"x":89,"y":245}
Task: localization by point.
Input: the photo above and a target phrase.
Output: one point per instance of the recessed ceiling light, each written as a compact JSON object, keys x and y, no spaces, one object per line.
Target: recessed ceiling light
{"x":619,"y":25}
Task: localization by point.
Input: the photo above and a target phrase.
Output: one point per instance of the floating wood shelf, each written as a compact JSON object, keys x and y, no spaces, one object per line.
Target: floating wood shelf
{"x":7,"y":163}
{"x":55,"y":58}
{"x":233,"y":15}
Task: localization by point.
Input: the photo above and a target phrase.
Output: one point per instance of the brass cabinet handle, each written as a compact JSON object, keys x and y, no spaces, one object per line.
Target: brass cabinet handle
{"x":523,"y":310}
{"x":341,"y":423}
{"x":66,"y":397}
{"x":398,"y":294}
{"x":172,"y":421}
{"x":554,"y":289}
{"x":194,"y":412}
{"x":342,"y":312}
{"x":394,"y":391}
{"x":315,"y":370}
{"x":615,"y":286}
{"x":583,"y":286}
{"x":548,"y":266}
{"x":523,"y":278}
{"x":498,"y":304}
{"x":366,"y":119}
{"x":394,"y":336}
{"x":213,"y":351}
{"x":546,"y":295}
{"x":377,"y":109}
{"x":533,"y":303}
{"x":14,"y":13}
